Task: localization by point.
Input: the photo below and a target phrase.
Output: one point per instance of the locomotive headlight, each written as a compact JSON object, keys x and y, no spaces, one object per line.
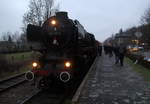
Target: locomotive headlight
{"x":53,"y":22}
{"x":67,"y":64}
{"x":34,"y":64}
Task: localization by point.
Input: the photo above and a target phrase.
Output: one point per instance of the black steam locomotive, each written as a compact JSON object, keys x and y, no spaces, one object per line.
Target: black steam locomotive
{"x":65,"y":47}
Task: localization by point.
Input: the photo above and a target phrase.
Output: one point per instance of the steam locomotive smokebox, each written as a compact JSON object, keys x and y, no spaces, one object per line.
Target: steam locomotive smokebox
{"x":62,"y":15}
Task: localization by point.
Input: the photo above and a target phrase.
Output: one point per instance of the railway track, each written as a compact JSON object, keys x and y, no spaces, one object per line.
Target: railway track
{"x":11,"y":82}
{"x":11,"y":86}
{"x":16,"y":90}
{"x":25,"y":100}
{"x":45,"y":97}
{"x":55,"y":95}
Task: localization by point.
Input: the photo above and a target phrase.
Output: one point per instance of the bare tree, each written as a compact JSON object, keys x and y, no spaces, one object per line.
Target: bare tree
{"x":39,"y":11}
{"x":6,"y":36}
{"x":22,"y":38}
{"x":15,"y":36}
{"x":145,"y":19}
{"x":48,"y":4}
{"x":12,"y":37}
{"x":9,"y":38}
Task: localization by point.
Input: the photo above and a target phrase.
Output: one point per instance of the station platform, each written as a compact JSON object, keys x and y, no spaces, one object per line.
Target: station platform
{"x":108,"y":83}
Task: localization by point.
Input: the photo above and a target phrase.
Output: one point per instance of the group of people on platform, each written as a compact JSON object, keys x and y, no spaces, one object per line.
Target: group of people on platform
{"x":118,"y":51}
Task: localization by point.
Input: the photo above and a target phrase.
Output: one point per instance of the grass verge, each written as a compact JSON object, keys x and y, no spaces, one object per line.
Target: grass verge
{"x":18,"y":56}
{"x":140,"y":69}
{"x":15,"y":72}
{"x":67,"y":102}
{"x":22,"y":59}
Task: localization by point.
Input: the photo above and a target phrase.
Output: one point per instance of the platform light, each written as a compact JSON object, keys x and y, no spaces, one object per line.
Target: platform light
{"x":34,"y":64}
{"x":67,"y":64}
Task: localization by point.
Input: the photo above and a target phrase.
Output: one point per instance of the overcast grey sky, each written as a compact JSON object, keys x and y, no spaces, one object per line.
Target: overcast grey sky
{"x":101,"y":17}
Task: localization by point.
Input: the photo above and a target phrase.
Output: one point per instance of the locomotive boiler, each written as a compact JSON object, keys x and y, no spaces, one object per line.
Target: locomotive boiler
{"x":65,"y":47}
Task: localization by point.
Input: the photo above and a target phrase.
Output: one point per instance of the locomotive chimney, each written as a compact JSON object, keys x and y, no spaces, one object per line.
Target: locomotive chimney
{"x":62,"y":15}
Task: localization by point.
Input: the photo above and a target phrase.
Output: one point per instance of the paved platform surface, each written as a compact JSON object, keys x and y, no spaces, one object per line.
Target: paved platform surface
{"x":112,"y":84}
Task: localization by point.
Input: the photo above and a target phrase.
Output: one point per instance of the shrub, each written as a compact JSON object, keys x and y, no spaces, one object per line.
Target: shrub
{"x":140,"y":59}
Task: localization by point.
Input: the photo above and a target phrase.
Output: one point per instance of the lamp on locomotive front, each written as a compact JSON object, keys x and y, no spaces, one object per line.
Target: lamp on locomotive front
{"x":67,"y":64}
{"x":53,"y":22}
{"x":34,"y":64}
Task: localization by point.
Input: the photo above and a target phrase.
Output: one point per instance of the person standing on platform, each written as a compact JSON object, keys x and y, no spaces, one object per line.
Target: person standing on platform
{"x":105,"y":49}
{"x":99,"y":47}
{"x":116,"y":53}
{"x":119,"y":52}
{"x":122,"y":52}
{"x":100,"y":50}
{"x":110,"y":50}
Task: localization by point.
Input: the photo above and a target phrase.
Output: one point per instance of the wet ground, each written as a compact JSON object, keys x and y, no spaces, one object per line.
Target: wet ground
{"x":112,"y":84}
